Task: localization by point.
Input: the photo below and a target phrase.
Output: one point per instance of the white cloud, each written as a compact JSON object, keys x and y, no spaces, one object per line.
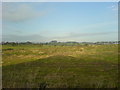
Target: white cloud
{"x":23,"y":38}
{"x":114,"y":7}
{"x":19,"y":13}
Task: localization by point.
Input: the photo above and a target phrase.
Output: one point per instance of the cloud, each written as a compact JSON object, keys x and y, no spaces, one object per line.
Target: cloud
{"x":23,"y":38}
{"x":19,"y":12}
{"x":70,"y":36}
{"x":113,"y":7}
{"x":95,"y":36}
{"x":79,"y":35}
{"x":89,"y":34}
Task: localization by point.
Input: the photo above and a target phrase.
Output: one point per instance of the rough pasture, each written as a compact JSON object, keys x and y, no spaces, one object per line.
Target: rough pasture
{"x":28,"y":66}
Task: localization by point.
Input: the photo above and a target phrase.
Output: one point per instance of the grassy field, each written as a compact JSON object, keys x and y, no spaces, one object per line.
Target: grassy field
{"x":87,"y":66}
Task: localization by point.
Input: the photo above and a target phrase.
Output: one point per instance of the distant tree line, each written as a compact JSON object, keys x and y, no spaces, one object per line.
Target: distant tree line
{"x":70,"y":43}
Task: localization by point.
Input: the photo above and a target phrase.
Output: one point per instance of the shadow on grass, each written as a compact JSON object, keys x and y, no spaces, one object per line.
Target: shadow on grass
{"x":60,"y":72}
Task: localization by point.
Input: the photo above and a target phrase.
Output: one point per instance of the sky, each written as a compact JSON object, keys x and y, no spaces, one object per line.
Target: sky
{"x":61,"y":21}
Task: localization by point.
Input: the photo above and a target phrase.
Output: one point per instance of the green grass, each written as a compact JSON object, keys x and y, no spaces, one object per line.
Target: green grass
{"x":92,"y":66}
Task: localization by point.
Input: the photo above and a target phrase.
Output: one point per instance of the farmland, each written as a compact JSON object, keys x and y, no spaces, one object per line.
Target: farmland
{"x":82,"y":66}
